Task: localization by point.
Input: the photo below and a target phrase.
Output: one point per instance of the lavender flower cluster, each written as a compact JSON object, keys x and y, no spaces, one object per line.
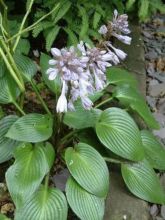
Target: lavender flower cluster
{"x":82,"y":69}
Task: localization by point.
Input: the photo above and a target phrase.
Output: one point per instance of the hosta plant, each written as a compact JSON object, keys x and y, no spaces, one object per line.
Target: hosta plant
{"x":89,"y":124}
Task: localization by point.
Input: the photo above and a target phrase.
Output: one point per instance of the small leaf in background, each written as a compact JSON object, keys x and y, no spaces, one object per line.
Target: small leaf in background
{"x":85,"y":205}
{"x":23,"y":46}
{"x":7,"y":145}
{"x":32,"y":127}
{"x":119,"y":133}
{"x":26,"y":66}
{"x":50,"y":36}
{"x":143,"y":10}
{"x":63,"y":8}
{"x":120,"y":76}
{"x":81,"y":118}
{"x":143,"y":182}
{"x":85,"y":22}
{"x":31,"y":164}
{"x":129,"y":4}
{"x":88,"y":168}
{"x":46,"y":203}
{"x":96,"y":19}
{"x":54,"y":85}
{"x":130,"y":96}
{"x":154,"y":151}
{"x":72,"y":38}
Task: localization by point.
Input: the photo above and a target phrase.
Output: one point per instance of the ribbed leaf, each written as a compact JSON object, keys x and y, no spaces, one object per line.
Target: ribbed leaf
{"x":45,"y":204}
{"x":119,"y":133}
{"x":81,"y":118}
{"x":85,"y":22}
{"x":23,"y":46}
{"x":54,"y":85}
{"x":130,"y":96}
{"x":31,"y":128}
{"x":143,"y":182}
{"x":154,"y":151}
{"x":50,"y":36}
{"x":88,"y":168}
{"x":26,"y":66}
{"x":120,"y":76}
{"x":26,"y":174}
{"x":85,"y":205}
{"x":7,"y":145}
{"x":8,"y":89}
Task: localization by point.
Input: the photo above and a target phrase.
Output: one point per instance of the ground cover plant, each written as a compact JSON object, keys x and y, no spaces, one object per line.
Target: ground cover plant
{"x":92,"y":120}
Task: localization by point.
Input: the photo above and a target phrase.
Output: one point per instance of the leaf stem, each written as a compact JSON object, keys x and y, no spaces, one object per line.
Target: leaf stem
{"x":112,"y":160}
{"x":12,"y":72}
{"x":67,"y":136}
{"x":34,"y":24}
{"x":19,"y":109}
{"x":104,"y":102}
{"x":46,"y":180}
{"x":22,"y":25}
{"x":40,"y":98}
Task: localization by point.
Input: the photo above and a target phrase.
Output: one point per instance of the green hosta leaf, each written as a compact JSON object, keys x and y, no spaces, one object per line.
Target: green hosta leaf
{"x":154,"y":151}
{"x":120,"y":76}
{"x":26,"y":174}
{"x":88,"y":168}
{"x":23,"y":46}
{"x":119,"y":133}
{"x":85,"y":205}
{"x":7,"y":145}
{"x":31,"y":128}
{"x":50,"y":36}
{"x":130,"y":96}
{"x":143,"y":182}
{"x":2,"y":68}
{"x":54,"y":85}
{"x":143,"y":10}
{"x":81,"y":118}
{"x":46,"y":203}
{"x":8,"y":89}
{"x":27,"y":67}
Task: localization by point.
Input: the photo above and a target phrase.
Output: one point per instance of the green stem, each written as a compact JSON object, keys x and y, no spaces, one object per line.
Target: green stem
{"x":12,"y":62}
{"x":22,"y":25}
{"x":46,"y":181}
{"x":66,"y":137}
{"x":104,"y":102}
{"x":40,"y":98}
{"x":112,"y":160}
{"x":19,"y":109}
{"x":33,"y":25}
{"x":11,"y":70}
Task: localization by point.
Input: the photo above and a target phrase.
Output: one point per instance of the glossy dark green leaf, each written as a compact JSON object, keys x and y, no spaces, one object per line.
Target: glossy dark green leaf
{"x":143,"y":182}
{"x":31,"y":128}
{"x":88,"y":168}
{"x":85,"y":205}
{"x":130,"y":96}
{"x":120,"y":76}
{"x":46,"y":203}
{"x":26,"y":174}
{"x":119,"y":133}
{"x":7,"y":145}
{"x":54,"y":85}
{"x":154,"y":151}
